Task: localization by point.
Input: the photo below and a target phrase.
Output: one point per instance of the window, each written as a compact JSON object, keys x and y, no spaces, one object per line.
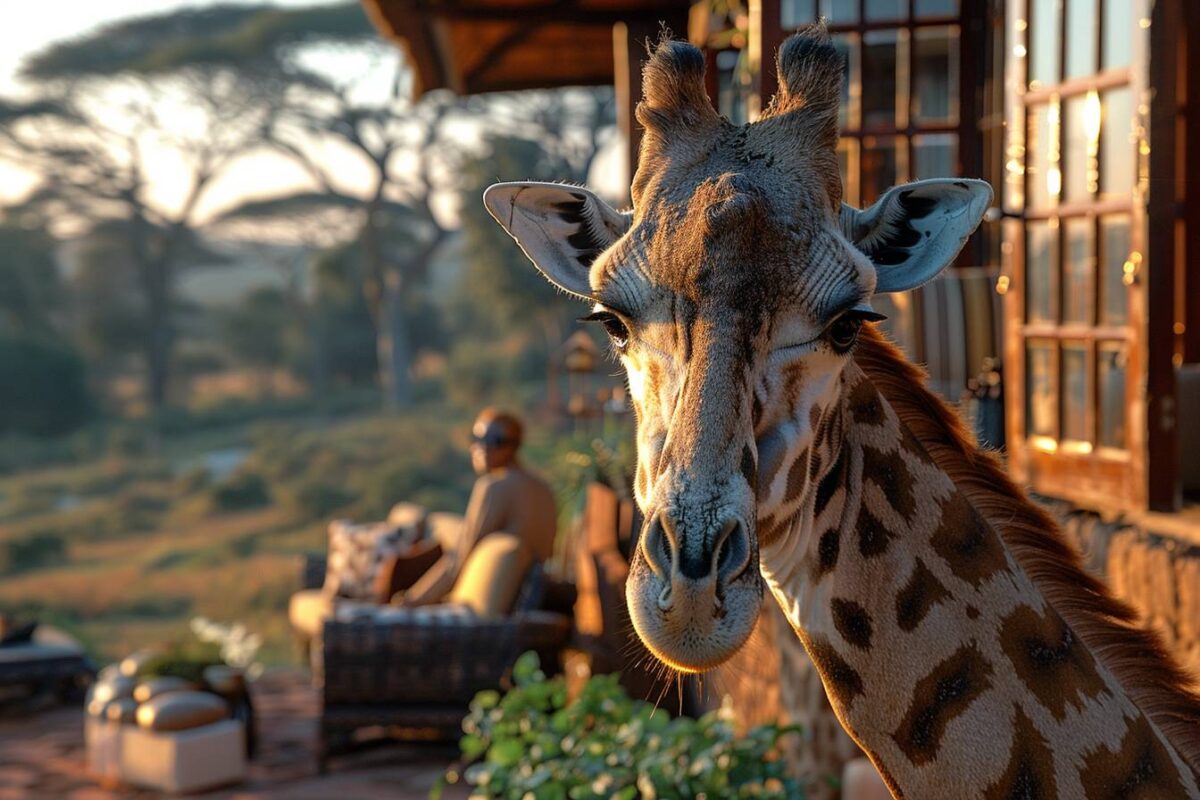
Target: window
{"x":1072,"y":253}
{"x":901,"y":111}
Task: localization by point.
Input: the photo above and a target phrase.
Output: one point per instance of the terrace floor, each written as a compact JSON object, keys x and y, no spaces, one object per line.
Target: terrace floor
{"x":41,"y":756}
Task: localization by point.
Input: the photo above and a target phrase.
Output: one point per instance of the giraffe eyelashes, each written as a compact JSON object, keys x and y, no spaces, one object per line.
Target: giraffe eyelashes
{"x":613,"y":326}
{"x":843,"y":333}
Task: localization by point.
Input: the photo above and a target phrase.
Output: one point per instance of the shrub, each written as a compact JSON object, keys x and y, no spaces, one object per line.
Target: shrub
{"x":241,"y":491}
{"x":43,"y":389}
{"x":32,"y":551}
{"x":532,"y":742}
{"x":316,"y":499}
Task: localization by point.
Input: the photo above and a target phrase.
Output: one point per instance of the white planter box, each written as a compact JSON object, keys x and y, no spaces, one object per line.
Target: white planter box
{"x":177,"y":761}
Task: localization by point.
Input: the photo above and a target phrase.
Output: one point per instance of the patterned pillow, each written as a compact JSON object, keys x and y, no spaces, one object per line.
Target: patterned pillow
{"x":356,"y":553}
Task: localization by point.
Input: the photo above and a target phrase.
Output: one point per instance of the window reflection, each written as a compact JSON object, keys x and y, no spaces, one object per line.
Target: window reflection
{"x":848,"y":163}
{"x":1119,"y":29}
{"x":1041,"y":264}
{"x":884,"y":10}
{"x":1110,"y":405}
{"x":794,"y":13}
{"x":1041,"y":173}
{"x":935,"y":8}
{"x":1045,"y":35}
{"x":1116,"y":143}
{"x":1075,"y":392}
{"x":840,"y":12}
{"x":1081,"y":37}
{"x":880,"y":83}
{"x":934,"y":155}
{"x":1114,"y":251}
{"x":848,"y":112}
{"x":880,"y":167}
{"x":935,"y":84}
{"x":1078,"y":271}
{"x":1075,"y":158}
{"x":1040,"y":406}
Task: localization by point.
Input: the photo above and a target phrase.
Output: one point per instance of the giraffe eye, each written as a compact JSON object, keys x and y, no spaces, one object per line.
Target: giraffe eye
{"x":843,"y":333}
{"x":613,"y":326}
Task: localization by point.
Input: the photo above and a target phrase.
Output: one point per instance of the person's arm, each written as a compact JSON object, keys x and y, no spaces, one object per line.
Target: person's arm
{"x":486,"y":513}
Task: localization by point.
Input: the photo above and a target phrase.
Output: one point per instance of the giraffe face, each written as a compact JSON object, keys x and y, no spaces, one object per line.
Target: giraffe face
{"x":733,"y":292}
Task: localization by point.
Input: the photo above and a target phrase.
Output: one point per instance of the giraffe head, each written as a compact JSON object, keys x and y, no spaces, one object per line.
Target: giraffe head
{"x":733,"y":292}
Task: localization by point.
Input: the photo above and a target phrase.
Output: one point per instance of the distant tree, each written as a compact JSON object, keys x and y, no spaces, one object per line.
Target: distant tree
{"x":43,"y":387}
{"x":30,"y":290}
{"x":103,"y":104}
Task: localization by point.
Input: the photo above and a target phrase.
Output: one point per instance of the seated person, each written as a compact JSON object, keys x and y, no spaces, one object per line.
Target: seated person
{"x":506,"y":497}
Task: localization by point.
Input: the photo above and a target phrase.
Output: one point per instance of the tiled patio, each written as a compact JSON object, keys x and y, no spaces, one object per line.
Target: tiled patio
{"x":41,"y":756}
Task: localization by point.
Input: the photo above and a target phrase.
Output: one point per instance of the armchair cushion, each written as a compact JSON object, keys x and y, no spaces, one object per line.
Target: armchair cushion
{"x":400,"y":571}
{"x":308,"y":609}
{"x":492,"y":575}
{"x":356,"y":552}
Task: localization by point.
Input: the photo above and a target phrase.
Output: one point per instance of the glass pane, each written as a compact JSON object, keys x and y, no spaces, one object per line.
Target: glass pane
{"x":1044,"y":40}
{"x":1119,"y":30}
{"x":879,"y":79}
{"x":1114,"y":251}
{"x":1040,"y":408}
{"x":935,"y":84}
{"x":1042,"y":178}
{"x":1041,"y":264}
{"x":1110,"y":404}
{"x":878,"y":10}
{"x":1075,"y":159}
{"x":840,"y":12}
{"x":935,"y":8}
{"x":848,"y":164}
{"x":1079,"y":269}
{"x":935,"y":156}
{"x":1075,"y":392}
{"x":851,"y":81}
{"x":794,"y":13}
{"x":1116,"y":143}
{"x":1081,"y":37}
{"x":732,"y":91}
{"x":879,"y":167}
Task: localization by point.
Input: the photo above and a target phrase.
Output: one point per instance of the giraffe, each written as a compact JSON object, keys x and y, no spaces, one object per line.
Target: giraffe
{"x":785,"y":444}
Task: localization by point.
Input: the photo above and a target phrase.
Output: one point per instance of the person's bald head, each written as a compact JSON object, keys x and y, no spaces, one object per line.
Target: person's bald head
{"x":495,"y":439}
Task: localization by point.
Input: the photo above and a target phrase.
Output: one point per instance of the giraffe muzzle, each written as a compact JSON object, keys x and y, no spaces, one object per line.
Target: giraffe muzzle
{"x":692,"y":595}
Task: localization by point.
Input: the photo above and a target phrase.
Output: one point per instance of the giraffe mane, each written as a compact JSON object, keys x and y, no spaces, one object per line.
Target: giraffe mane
{"x":1134,"y":655}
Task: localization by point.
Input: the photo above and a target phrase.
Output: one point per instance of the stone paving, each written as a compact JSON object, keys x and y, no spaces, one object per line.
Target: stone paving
{"x":41,"y":756}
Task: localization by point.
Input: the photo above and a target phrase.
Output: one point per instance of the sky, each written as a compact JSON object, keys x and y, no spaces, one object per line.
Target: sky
{"x":29,"y":27}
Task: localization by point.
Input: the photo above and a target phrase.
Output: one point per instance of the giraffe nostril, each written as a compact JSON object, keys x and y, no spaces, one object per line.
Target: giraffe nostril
{"x":656,"y":547}
{"x":733,"y":551}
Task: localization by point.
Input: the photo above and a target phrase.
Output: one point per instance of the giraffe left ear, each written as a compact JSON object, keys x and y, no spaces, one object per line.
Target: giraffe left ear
{"x":915,"y":230}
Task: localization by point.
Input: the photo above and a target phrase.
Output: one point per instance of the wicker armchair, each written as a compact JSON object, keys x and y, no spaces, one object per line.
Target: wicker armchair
{"x":414,"y":680}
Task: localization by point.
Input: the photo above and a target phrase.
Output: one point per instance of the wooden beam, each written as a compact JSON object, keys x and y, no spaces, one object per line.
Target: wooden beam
{"x":550,"y":12}
{"x":1162,"y":417}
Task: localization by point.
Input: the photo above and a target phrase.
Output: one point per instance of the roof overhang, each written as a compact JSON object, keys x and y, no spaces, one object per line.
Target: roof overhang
{"x":477,"y":46}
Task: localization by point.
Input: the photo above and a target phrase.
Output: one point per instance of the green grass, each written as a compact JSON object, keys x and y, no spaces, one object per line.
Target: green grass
{"x":151,"y":542}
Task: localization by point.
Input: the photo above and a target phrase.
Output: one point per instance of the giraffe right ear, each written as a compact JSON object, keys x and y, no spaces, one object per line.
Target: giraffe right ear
{"x":561,"y":228}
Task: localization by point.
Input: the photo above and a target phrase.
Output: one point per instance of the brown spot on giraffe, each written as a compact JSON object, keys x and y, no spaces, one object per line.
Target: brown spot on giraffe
{"x":873,"y":535}
{"x":830,"y":483}
{"x":829,"y":547}
{"x":942,"y":695}
{"x":796,"y":479}
{"x":865,"y":405}
{"x":921,"y":593}
{"x":1140,"y":769}
{"x":842,"y":683}
{"x":853,"y":622}
{"x":967,"y":543}
{"x":889,"y":473}
{"x":1050,"y":659}
{"x":1029,"y":774}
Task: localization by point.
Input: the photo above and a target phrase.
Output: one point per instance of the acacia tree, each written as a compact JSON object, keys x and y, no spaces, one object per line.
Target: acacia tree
{"x":103,"y":119}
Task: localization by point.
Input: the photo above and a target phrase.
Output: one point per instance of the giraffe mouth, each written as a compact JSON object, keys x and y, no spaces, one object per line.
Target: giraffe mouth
{"x":693,"y":613}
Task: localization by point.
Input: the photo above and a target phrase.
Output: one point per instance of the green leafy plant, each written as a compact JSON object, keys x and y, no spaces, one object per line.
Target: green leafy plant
{"x":534,"y":744}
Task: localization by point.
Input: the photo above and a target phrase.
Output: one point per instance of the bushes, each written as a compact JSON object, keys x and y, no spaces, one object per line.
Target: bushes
{"x":34,"y":550}
{"x":241,"y":491}
{"x":532,"y":742}
{"x":42,"y":388}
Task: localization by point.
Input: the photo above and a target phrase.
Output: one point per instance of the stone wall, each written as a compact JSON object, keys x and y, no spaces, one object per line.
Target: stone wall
{"x":1158,"y":574}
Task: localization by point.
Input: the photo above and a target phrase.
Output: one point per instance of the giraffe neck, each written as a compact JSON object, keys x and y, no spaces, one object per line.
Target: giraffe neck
{"x":939,"y":654}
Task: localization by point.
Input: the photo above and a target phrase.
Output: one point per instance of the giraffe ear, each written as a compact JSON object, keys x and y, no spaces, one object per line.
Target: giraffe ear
{"x":915,"y":230}
{"x":561,"y":228}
